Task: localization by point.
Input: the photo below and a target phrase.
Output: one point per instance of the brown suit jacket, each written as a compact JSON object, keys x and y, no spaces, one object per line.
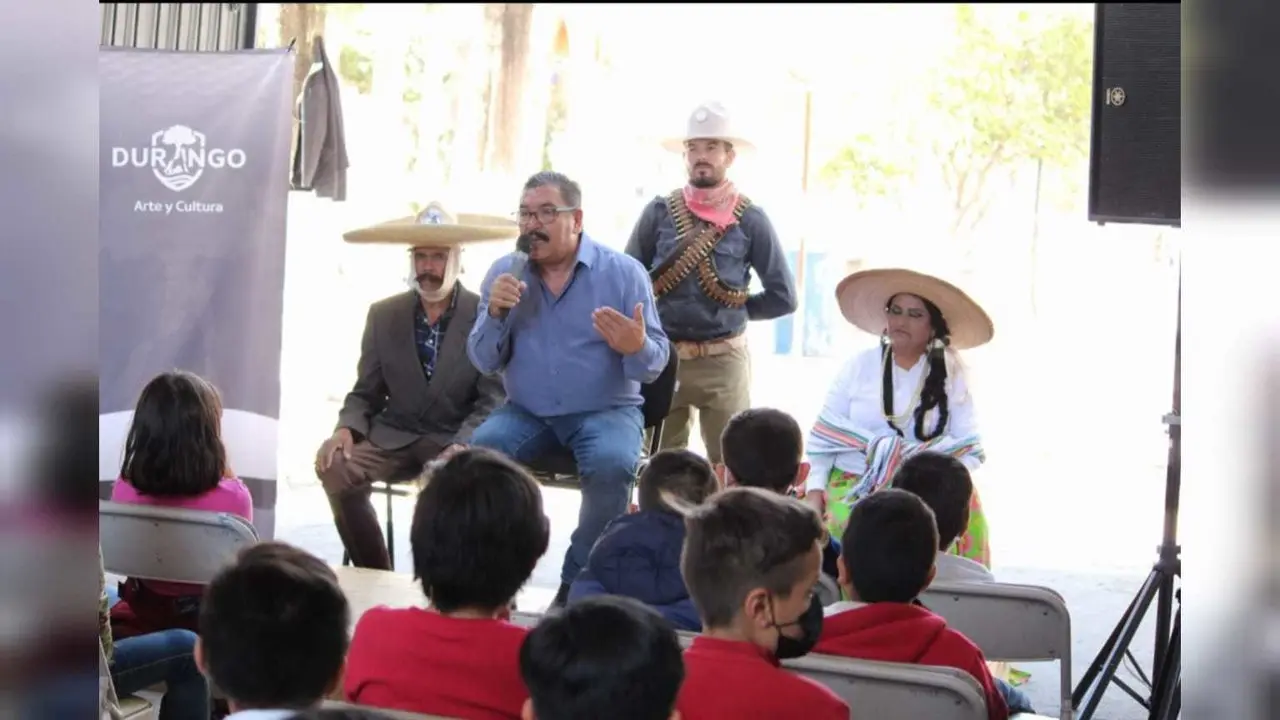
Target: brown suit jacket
{"x":392,"y":404}
{"x":320,"y":145}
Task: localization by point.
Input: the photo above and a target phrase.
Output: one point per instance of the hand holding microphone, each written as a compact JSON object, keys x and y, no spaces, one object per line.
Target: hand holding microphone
{"x":508,"y":287}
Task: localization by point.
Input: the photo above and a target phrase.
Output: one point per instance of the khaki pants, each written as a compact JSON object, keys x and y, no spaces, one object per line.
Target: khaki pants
{"x":717,"y":387}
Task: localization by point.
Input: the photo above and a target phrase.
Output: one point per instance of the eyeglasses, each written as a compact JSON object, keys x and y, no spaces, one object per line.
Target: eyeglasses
{"x":546,"y":214}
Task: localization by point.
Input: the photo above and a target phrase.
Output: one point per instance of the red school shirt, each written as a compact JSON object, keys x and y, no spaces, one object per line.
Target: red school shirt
{"x":728,"y":679}
{"x":903,"y":633}
{"x":421,"y":661}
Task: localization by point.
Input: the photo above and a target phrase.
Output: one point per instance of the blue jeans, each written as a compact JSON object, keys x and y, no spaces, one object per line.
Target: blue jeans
{"x":606,"y":448}
{"x":1015,"y":699}
{"x":167,"y":657}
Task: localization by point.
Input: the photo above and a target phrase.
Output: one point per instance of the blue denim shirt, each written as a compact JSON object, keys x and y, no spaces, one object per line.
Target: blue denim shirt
{"x":552,"y":360}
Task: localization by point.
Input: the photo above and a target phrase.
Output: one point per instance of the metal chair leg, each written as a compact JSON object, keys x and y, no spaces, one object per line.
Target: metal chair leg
{"x":391,"y":530}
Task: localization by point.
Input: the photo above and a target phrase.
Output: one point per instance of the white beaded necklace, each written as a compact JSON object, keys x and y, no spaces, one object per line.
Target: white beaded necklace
{"x":898,"y":420}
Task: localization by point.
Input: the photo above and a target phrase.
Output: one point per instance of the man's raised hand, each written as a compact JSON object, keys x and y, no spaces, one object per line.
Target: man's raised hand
{"x":624,"y":334}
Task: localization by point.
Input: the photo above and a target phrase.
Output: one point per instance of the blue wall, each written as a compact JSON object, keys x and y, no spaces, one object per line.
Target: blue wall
{"x":819,"y":316}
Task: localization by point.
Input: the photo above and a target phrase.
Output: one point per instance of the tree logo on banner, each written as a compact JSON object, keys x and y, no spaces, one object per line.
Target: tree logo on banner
{"x":178,"y":156}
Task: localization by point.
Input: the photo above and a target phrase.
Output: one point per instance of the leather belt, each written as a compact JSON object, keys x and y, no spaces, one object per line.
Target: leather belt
{"x":690,"y":350}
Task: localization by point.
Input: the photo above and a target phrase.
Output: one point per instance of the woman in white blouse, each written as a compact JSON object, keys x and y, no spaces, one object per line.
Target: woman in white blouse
{"x":907,"y":395}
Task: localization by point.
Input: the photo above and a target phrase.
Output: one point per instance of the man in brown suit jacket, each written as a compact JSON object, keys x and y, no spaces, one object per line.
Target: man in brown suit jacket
{"x":417,"y":397}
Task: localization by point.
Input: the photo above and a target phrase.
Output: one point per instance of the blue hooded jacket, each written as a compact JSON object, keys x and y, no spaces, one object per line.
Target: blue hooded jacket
{"x":638,"y":556}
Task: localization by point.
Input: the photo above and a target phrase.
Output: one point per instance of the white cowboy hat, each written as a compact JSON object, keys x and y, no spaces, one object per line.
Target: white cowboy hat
{"x":864,"y":295}
{"x":709,"y":121}
{"x":436,"y":227}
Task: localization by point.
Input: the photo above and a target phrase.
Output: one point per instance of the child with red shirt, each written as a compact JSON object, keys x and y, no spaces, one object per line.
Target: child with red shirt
{"x":608,"y":656}
{"x":478,"y":531}
{"x":887,"y":559}
{"x":751,"y":560}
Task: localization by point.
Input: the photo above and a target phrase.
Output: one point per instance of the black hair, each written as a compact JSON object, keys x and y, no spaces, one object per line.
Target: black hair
{"x":174,"y":447}
{"x":889,"y":546}
{"x":273,"y":628}
{"x":606,"y":656}
{"x":741,"y":539}
{"x":478,"y":531}
{"x":569,"y":190}
{"x":683,"y":474}
{"x":944,"y":483}
{"x":934,"y":393}
{"x":763,"y":448}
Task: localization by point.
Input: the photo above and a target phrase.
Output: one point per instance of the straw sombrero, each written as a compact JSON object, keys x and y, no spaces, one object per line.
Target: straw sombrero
{"x":435,"y":226}
{"x":864,"y":295}
{"x":709,"y":121}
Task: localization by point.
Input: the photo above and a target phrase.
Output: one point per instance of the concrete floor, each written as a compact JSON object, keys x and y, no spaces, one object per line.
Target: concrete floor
{"x":1096,"y":593}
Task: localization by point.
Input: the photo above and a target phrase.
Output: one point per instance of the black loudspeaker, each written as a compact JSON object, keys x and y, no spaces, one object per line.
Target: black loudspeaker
{"x":1135,"y":158}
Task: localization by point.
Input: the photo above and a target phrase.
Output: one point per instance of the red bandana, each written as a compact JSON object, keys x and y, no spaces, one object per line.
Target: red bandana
{"x":714,"y":205}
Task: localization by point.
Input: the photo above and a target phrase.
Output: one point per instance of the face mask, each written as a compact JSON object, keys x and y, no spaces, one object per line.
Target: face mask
{"x":810,"y":624}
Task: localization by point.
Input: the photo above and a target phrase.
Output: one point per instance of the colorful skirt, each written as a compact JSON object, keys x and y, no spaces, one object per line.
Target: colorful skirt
{"x":973,"y":544}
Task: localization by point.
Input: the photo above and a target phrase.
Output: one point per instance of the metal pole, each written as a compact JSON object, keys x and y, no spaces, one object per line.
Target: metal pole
{"x":798,"y":327}
{"x":1169,"y":549}
{"x":808,"y":136}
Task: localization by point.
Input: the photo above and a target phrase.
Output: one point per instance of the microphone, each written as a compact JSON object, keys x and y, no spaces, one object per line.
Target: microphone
{"x":524,"y":244}
{"x":520,"y":259}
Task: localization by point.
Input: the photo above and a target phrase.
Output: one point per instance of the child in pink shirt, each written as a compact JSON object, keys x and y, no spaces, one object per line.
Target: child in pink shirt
{"x":174,"y":457}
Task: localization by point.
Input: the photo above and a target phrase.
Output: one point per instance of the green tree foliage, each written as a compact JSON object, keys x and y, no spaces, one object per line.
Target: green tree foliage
{"x":1006,"y":96}
{"x":356,"y":68}
{"x":867,"y":166}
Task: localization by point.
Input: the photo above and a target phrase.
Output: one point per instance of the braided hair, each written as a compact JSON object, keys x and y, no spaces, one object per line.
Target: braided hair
{"x":934,"y":393}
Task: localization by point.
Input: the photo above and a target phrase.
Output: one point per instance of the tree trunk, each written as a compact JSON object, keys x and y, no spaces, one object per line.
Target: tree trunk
{"x":493,"y":14}
{"x":300,"y":23}
{"x":507,"y":102}
{"x":468,"y":96}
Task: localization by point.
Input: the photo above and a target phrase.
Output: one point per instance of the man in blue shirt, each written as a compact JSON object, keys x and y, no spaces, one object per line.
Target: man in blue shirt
{"x":574,"y":335}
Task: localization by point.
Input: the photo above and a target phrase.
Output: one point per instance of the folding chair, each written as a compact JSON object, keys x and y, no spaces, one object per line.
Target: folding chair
{"x":525,"y":619}
{"x":171,"y":544}
{"x":395,"y":714}
{"x":559,"y":469}
{"x":895,"y":691}
{"x":1009,"y":622}
{"x":827,"y":590}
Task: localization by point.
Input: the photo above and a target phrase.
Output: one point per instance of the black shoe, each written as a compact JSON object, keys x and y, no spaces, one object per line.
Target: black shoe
{"x":562,"y":597}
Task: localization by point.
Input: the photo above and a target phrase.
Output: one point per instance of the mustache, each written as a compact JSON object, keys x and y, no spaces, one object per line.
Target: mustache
{"x":437,"y":279}
{"x":702,"y":166}
{"x":525,"y":242}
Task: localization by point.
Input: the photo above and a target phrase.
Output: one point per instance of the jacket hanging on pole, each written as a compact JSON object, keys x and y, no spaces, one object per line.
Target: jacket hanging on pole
{"x":320,"y":143}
